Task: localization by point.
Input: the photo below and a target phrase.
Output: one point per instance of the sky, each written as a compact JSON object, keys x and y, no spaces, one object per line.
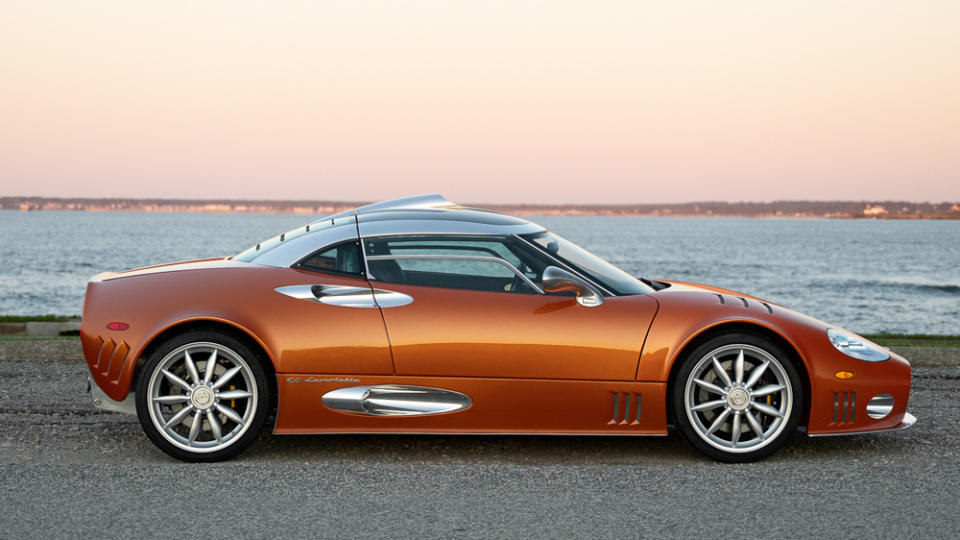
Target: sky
{"x":503,"y":102}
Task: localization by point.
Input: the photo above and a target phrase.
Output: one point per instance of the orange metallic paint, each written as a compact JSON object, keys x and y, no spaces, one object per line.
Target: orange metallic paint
{"x":499,"y":406}
{"x":686,"y":312}
{"x":531,"y":363}
{"x":299,"y":336}
{"x":460,"y":333}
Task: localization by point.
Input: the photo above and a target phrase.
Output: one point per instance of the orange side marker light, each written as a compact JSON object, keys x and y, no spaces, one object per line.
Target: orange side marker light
{"x":843,"y":375}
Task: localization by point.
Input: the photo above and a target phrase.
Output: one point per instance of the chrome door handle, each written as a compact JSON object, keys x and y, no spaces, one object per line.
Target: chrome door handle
{"x":346,"y":296}
{"x":387,"y":299}
{"x":331,"y":295}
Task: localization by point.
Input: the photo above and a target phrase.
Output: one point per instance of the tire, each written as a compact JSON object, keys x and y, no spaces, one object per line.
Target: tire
{"x":194,"y":414}
{"x":733,"y":415}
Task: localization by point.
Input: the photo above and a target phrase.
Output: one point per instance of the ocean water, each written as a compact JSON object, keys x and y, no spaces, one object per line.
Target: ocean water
{"x":865,"y":275}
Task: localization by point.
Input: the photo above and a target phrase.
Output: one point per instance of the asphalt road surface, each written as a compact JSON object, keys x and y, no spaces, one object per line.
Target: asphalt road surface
{"x":69,"y":470}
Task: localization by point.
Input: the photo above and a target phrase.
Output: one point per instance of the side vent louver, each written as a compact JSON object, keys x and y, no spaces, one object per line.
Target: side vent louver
{"x":626,"y":408}
{"x":844,"y":407}
{"x":112,"y":359}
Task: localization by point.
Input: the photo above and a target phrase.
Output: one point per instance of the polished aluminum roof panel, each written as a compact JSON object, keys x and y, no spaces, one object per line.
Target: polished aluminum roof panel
{"x":417,"y":202}
{"x":424,"y":214}
{"x":433,"y":214}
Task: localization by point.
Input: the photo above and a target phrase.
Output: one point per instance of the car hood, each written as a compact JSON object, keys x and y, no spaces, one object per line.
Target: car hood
{"x":727,"y":304}
{"x":686,"y":286}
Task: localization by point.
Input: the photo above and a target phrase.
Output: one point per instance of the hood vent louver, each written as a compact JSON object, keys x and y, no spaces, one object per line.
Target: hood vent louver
{"x":744,"y":301}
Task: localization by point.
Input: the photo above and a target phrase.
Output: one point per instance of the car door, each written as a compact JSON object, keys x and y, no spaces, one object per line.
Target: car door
{"x":324,"y":315}
{"x":477,"y":311}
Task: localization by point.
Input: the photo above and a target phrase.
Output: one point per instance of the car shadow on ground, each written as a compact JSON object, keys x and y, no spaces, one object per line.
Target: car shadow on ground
{"x":537,"y":449}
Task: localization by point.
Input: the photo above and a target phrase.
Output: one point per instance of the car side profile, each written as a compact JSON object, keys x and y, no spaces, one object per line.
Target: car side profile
{"x":421,"y":316}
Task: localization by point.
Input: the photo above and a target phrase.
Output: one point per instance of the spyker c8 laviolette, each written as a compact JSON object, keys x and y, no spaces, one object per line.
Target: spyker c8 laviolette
{"x":420,"y":316}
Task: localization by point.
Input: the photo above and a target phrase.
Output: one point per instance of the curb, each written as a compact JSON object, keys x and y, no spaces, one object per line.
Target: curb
{"x":68,"y":350}
{"x":930,"y":356}
{"x":40,"y":329}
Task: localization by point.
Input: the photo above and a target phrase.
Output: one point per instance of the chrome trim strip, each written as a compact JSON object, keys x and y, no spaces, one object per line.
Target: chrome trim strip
{"x":458,"y":258}
{"x":908,"y":421}
{"x":103,"y":401}
{"x":395,"y":400}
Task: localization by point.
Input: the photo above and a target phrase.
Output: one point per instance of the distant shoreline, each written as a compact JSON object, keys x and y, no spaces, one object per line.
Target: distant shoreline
{"x":775,"y":209}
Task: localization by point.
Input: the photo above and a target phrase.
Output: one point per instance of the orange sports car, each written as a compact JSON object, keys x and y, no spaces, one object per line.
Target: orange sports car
{"x":421,"y":316}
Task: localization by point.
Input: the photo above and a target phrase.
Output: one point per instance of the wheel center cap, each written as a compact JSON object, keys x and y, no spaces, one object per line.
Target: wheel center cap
{"x":202,"y":397}
{"x":738,"y":399}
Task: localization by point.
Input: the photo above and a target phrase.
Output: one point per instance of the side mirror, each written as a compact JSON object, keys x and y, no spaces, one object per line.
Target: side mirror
{"x":559,"y":280}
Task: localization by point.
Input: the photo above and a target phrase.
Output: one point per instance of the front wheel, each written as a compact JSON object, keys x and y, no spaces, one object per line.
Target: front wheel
{"x":737,"y":397}
{"x":202,"y":396}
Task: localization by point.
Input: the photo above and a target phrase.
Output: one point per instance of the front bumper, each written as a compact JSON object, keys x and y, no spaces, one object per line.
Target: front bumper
{"x":908,"y":421}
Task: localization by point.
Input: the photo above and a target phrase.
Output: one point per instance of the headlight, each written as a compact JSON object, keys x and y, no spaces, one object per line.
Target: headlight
{"x":855,"y":346}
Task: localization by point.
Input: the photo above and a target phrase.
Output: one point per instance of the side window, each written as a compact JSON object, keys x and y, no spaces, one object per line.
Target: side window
{"x":342,"y":259}
{"x":465,"y":262}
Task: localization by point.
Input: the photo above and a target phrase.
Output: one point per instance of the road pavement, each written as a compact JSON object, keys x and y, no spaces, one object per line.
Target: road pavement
{"x":69,"y":470}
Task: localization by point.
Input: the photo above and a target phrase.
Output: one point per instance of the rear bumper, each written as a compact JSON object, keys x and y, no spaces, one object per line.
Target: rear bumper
{"x":103,"y":401}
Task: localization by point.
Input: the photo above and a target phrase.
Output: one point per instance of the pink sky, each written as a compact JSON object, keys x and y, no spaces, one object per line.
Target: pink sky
{"x":552,"y":102}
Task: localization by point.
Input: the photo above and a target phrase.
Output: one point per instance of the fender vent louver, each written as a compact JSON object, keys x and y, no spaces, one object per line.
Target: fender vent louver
{"x":844,"y":407}
{"x":720,"y":297}
{"x":769,"y":309}
{"x":745,"y":303}
{"x":112,"y":359}
{"x":626,"y":408}
{"x":107,"y":348}
{"x":125,"y":354}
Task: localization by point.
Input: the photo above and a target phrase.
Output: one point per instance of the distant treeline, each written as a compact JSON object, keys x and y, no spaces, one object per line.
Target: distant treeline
{"x":832,"y":209}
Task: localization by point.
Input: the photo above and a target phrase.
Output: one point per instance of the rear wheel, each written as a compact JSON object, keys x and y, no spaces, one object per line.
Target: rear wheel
{"x":737,"y":397}
{"x":203,"y":396}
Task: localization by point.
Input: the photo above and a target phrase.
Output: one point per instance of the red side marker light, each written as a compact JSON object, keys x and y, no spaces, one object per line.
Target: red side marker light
{"x":118,"y":326}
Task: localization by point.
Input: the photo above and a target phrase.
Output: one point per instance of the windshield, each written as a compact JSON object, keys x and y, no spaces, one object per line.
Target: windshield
{"x":595,"y":268}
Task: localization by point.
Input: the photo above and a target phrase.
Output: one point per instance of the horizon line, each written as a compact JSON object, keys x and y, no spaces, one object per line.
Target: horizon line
{"x":472,"y":204}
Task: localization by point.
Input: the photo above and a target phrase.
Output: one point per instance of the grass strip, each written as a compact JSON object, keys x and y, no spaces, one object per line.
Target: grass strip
{"x":37,"y":318}
{"x":914,"y":340}
{"x":39,"y":338}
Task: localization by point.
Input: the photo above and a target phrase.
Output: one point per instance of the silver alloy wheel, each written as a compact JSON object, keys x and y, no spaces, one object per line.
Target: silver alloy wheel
{"x":738,"y":398}
{"x":203,"y":397}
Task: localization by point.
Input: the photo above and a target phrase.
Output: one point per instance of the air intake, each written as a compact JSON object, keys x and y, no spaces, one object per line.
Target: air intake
{"x":626,"y":408}
{"x":844,"y":407}
{"x":112,"y":359}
